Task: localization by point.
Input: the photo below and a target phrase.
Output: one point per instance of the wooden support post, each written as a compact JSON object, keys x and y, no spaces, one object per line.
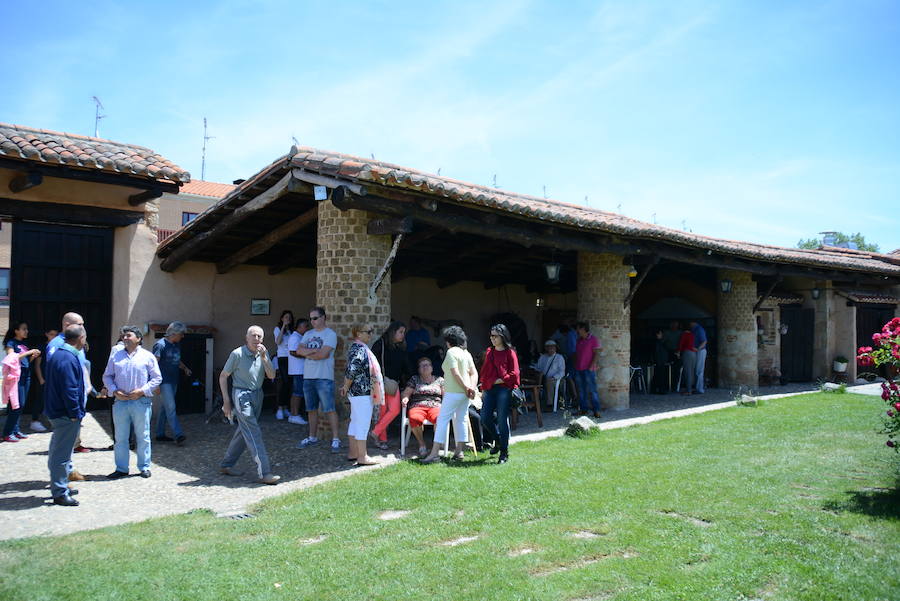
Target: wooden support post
{"x":638,"y":282}
{"x":283,"y":231}
{"x":766,"y":294}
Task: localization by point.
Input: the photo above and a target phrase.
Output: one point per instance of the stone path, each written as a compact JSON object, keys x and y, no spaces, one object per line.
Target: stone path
{"x":186,"y":478}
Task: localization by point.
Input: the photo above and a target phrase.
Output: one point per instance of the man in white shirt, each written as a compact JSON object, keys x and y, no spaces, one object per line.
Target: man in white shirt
{"x":552,"y":366}
{"x":295,"y":371}
{"x":317,"y":347}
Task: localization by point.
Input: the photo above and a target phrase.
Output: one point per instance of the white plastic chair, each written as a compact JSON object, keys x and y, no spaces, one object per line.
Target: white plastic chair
{"x":639,"y":372}
{"x":406,"y":431}
{"x":556,"y":392}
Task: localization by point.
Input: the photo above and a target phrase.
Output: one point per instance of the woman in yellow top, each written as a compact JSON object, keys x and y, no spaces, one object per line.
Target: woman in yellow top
{"x":460,"y":385}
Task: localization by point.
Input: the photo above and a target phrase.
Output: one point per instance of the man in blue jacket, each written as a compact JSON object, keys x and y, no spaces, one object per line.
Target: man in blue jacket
{"x":64,"y":404}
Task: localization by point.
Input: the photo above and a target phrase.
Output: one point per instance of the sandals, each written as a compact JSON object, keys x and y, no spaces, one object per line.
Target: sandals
{"x":423,"y":451}
{"x":382,"y":444}
{"x":426,"y":461}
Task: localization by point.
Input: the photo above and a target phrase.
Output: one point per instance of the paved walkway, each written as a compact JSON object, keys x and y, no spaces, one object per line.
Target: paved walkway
{"x":186,"y":478}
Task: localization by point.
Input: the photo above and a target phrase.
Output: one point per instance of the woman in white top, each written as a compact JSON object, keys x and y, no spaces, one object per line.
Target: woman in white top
{"x":460,"y":386}
{"x":282,"y":332}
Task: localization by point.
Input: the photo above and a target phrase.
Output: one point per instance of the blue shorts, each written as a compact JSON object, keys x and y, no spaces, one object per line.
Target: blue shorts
{"x":319,"y":394}
{"x":297,"y":385}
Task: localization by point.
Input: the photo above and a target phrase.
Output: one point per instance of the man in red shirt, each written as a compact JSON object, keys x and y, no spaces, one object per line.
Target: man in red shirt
{"x":587,"y":359}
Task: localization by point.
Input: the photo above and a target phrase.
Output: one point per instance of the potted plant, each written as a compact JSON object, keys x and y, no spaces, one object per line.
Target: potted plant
{"x":840,"y":364}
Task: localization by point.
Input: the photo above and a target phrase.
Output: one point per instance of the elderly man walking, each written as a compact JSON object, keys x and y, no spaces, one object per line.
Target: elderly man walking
{"x":64,"y":404}
{"x":168,"y":354}
{"x":131,"y":376}
{"x":247,"y":365}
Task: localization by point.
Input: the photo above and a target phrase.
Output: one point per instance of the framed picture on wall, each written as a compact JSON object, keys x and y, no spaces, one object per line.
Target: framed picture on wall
{"x":259,"y":306}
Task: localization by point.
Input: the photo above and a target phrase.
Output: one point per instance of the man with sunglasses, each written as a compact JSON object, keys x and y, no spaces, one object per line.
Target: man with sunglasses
{"x":317,"y":348}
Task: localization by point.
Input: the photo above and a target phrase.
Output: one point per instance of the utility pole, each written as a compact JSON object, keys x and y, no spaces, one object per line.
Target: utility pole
{"x":97,"y":115}
{"x":206,"y":138}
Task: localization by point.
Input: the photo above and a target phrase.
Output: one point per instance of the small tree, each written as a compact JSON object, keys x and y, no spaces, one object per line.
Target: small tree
{"x":839,"y":237}
{"x":886,"y":351}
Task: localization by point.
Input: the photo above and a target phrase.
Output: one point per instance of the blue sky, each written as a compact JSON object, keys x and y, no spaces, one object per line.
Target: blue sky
{"x":763,"y":121}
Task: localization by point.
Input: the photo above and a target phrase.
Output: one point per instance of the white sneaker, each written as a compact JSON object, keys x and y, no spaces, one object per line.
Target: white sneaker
{"x":279,"y":414}
{"x":336,"y":445}
{"x":37,"y":426}
{"x":297,"y":419}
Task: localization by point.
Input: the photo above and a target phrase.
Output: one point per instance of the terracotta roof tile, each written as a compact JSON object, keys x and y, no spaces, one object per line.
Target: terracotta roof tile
{"x":199,"y":187}
{"x":391,"y":175}
{"x":56,"y":148}
{"x":873,"y":298}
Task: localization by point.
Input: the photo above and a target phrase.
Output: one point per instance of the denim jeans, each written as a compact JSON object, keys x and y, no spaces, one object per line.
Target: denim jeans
{"x":698,"y":372}
{"x":167,"y":411}
{"x":246,"y":405}
{"x":586,"y":381}
{"x":496,"y":399}
{"x":12,"y":415}
{"x":319,"y":394}
{"x":126,"y":414}
{"x":59,"y":455}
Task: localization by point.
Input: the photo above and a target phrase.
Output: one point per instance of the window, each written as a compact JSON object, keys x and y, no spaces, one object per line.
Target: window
{"x":186,"y":218}
{"x":4,"y":287}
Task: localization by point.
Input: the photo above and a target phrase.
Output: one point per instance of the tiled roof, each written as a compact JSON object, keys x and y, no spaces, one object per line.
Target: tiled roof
{"x":782,"y":297}
{"x":73,"y":150}
{"x":362,"y":170}
{"x":198,"y":187}
{"x":394,"y":176}
{"x":873,"y":298}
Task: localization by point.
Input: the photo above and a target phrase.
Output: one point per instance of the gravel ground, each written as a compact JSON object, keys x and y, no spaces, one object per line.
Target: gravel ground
{"x":186,"y":478}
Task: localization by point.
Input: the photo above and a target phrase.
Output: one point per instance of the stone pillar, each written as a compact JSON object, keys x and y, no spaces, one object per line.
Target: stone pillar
{"x":737,"y":347}
{"x":603,"y":284}
{"x":348,"y":260}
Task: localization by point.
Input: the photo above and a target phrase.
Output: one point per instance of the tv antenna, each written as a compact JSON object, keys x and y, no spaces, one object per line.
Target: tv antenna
{"x":206,"y":138}
{"x":97,"y":115}
{"x":545,"y":191}
{"x":495,"y":180}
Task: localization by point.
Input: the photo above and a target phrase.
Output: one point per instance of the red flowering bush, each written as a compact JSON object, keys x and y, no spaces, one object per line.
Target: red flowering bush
{"x":886,"y":351}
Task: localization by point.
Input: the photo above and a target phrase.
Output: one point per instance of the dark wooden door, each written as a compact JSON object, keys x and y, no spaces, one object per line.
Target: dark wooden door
{"x":797,"y":344}
{"x":191,"y":394}
{"x":60,"y":268}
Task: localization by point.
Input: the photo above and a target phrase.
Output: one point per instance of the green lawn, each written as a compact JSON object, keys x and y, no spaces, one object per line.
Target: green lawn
{"x":795,"y":499}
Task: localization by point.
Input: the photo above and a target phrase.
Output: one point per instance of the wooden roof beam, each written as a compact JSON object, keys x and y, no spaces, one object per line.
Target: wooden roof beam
{"x":192,"y":246}
{"x":283,"y":231}
{"x":518,"y":234}
{"x":25,"y":181}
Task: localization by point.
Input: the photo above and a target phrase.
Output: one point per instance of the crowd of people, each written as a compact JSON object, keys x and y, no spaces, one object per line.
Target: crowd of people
{"x":398,"y":370}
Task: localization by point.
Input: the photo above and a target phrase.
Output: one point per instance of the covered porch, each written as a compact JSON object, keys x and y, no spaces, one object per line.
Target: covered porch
{"x":383,"y":242}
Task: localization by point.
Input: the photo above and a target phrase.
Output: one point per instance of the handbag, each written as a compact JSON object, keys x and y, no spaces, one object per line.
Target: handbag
{"x":391,"y":386}
{"x":518,"y":397}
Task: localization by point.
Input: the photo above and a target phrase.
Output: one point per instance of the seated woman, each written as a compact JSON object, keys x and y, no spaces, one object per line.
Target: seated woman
{"x":422,"y":397}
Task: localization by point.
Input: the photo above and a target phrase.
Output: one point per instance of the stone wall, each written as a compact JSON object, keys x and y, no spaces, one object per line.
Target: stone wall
{"x":603,"y":284}
{"x":348,"y":261}
{"x":738,"y":363}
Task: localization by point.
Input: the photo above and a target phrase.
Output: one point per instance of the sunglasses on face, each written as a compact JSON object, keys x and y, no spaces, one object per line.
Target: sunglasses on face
{"x":315,"y":318}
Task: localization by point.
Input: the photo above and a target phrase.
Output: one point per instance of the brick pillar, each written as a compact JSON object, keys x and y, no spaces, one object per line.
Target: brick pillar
{"x":603,"y":284}
{"x":738,"y":364}
{"x":348,"y":259}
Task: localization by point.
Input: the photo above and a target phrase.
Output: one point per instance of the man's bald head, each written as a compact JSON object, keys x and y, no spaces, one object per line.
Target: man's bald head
{"x":72,"y":319}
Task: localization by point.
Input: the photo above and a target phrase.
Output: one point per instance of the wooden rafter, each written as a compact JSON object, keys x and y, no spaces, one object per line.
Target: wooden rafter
{"x":268,"y":241}
{"x":190,"y":247}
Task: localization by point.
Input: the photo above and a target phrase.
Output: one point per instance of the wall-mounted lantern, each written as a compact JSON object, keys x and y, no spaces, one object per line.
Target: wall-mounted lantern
{"x":553,"y":270}
{"x":539,"y":302}
{"x":815,"y":293}
{"x":632,"y":272}
{"x":725,"y":286}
